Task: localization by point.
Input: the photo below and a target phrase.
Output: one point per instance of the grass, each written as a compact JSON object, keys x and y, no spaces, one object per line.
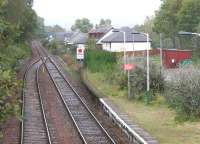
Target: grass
{"x":157,"y":119}
{"x":156,"y":59}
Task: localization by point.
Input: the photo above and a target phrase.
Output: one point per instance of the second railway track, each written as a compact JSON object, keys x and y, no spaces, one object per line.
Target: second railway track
{"x":34,"y":125}
{"x":35,"y":128}
{"x":87,"y":125}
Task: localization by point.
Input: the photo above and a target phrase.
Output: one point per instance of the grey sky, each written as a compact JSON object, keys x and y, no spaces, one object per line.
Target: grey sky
{"x":121,"y":12}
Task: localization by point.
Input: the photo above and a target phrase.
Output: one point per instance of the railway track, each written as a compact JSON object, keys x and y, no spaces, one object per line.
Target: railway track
{"x":34,"y":127}
{"x":85,"y":122}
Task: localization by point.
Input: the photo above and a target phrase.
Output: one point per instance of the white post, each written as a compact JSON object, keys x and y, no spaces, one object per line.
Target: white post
{"x":161,"y":46}
{"x":128,"y":84}
{"x":124,"y":34}
{"x":133,"y":46}
{"x":147,"y":62}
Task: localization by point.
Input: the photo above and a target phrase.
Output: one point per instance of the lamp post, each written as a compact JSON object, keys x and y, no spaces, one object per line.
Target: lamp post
{"x":188,"y":33}
{"x":161,"y":54}
{"x":124,"y":45}
{"x":147,"y":35}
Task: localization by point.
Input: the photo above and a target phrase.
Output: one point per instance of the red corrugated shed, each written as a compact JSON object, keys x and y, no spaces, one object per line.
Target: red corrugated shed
{"x":172,"y":57}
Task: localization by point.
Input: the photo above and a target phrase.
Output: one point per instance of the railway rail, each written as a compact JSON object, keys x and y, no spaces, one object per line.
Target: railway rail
{"x":87,"y":125}
{"x":34,"y":126}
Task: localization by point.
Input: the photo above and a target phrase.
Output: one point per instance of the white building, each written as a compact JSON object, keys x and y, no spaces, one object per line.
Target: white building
{"x":114,"y":41}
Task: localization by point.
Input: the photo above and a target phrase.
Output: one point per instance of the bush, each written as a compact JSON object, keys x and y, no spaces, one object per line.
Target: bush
{"x":10,"y":57}
{"x":118,"y":77}
{"x":69,"y":59}
{"x":182,"y":93}
{"x":100,"y":61}
{"x":139,"y":81}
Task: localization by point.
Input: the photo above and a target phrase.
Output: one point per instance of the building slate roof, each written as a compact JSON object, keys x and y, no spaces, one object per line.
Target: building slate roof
{"x":119,"y":36}
{"x":79,"y":38}
{"x":104,"y":29}
{"x":60,"y":36}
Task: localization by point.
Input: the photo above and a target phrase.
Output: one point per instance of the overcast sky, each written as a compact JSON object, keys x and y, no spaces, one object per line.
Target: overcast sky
{"x":121,"y":12}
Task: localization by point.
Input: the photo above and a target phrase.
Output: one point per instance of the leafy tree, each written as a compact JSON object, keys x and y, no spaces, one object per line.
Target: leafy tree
{"x":18,"y":22}
{"x":177,"y":15}
{"x":28,"y":23}
{"x":54,"y":29}
{"x":166,"y":20}
{"x":106,"y":22}
{"x":83,"y":25}
{"x":147,"y":27}
{"x":40,"y":31}
{"x":189,"y":15}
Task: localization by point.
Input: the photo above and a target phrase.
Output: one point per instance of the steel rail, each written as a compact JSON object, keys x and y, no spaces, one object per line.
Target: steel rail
{"x":83,"y":103}
{"x":71,"y":87}
{"x":42,"y":104}
{"x":71,"y":116}
{"x":23,"y":95}
{"x":60,"y":94}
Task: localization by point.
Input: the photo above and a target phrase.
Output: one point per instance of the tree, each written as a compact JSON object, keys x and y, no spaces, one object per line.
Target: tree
{"x":147,"y":27}
{"x":18,"y":22}
{"x":189,"y":15}
{"x":178,"y":15}
{"x":106,"y":22}
{"x":58,"y":28}
{"x":103,"y":23}
{"x":28,"y":24}
{"x":54,"y":29}
{"x":83,"y":25}
{"x":40,"y":31}
{"x":166,"y":20}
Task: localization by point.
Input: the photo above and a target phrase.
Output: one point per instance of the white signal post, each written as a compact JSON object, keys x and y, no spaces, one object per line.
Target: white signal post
{"x":128,"y":67}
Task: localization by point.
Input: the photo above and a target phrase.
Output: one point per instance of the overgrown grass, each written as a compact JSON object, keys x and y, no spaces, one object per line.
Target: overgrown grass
{"x":156,"y":118}
{"x":100,"y":61}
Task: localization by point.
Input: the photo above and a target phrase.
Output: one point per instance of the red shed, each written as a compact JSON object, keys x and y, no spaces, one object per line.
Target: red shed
{"x":172,"y":57}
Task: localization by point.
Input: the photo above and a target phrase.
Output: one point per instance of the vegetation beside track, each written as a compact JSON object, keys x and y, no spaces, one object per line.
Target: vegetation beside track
{"x":18,"y":24}
{"x":156,"y":118}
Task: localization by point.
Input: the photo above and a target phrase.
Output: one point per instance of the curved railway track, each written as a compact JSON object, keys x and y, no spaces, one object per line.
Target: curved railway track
{"x":34,"y":127}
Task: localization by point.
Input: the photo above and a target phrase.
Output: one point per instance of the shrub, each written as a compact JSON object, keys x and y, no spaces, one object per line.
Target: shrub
{"x":118,"y":77}
{"x":182,"y":93}
{"x":91,"y":43}
{"x":69,"y":59}
{"x":100,"y":61}
{"x":139,"y":82}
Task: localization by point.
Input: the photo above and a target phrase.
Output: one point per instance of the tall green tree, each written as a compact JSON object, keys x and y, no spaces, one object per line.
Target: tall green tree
{"x":189,"y":15}
{"x":83,"y":25}
{"x":104,"y":22}
{"x":178,"y":15}
{"x":18,"y":22}
{"x":166,"y":20}
{"x":147,"y":27}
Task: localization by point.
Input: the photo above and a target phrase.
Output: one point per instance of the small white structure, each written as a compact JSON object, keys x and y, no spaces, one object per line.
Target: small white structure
{"x":114,"y":41}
